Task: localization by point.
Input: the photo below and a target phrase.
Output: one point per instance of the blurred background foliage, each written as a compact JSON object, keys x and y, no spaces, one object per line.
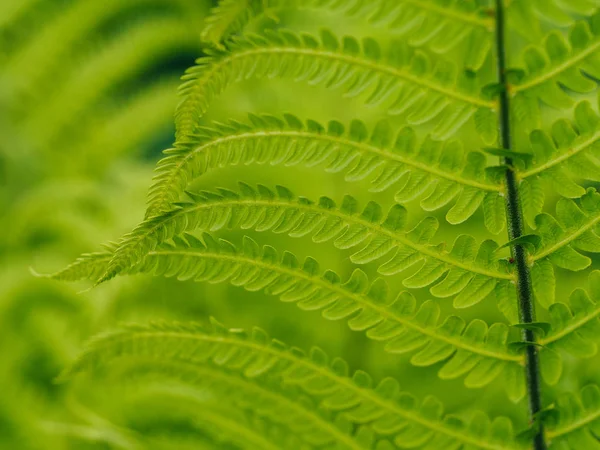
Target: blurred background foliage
{"x":87,"y":94}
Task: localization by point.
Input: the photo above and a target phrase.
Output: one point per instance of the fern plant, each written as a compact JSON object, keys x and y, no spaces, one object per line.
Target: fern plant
{"x":468,"y":124}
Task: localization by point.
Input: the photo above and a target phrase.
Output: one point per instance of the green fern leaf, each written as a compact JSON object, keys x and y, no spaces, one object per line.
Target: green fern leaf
{"x":400,"y":78}
{"x":441,"y":27}
{"x":386,"y":409}
{"x":465,"y":348}
{"x":228,"y":18}
{"x":471,"y":274}
{"x":441,"y":173}
{"x":561,"y":63}
{"x":89,"y":266}
{"x":562,"y":238}
{"x":561,"y":160}
{"x":578,"y":420}
{"x":575,"y":328}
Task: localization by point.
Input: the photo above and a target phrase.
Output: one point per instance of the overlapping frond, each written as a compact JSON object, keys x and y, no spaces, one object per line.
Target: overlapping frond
{"x":470,"y":349}
{"x":577,"y":424}
{"x":562,"y":238}
{"x":440,"y":173}
{"x":401,"y":78}
{"x":562,"y":159}
{"x":439,"y":25}
{"x":560,"y":67}
{"x":383,"y":408}
{"x":471,"y":273}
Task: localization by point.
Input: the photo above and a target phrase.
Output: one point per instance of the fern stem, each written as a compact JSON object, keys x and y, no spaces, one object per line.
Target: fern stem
{"x":519,"y":253}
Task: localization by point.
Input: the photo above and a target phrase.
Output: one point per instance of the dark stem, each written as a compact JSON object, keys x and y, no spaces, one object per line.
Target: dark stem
{"x":519,"y":254}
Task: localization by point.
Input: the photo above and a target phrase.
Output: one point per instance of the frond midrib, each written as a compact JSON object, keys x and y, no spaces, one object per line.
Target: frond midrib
{"x":349,"y":218}
{"x":338,"y":140}
{"x":358,"y":298}
{"x":573,"y":151}
{"x":344,"y":381}
{"x":402,"y":74}
{"x":556,"y":70}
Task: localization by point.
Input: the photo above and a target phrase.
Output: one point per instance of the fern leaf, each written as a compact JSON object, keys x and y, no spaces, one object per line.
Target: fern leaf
{"x":441,"y":173}
{"x":440,"y":27}
{"x":227,"y":18}
{"x":562,"y":238}
{"x":404,"y":327}
{"x":524,"y":15}
{"x":560,"y":63}
{"x":575,"y":328}
{"x":578,"y":421}
{"x":401,"y":78}
{"x":471,"y":274}
{"x":563,"y":158}
{"x":383,"y":407}
{"x":88,"y":266}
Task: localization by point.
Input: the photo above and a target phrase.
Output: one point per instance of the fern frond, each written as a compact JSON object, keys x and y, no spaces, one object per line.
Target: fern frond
{"x":383,"y":408}
{"x":471,"y":274}
{"x":575,"y":328}
{"x":466,"y":349}
{"x":562,"y":239}
{"x":227,"y":18}
{"x":578,"y":423}
{"x":568,"y":155}
{"x":440,"y":172}
{"x":88,"y":266}
{"x":560,"y":64}
{"x":439,"y":26}
{"x":401,"y":75}
{"x":405,"y":328}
